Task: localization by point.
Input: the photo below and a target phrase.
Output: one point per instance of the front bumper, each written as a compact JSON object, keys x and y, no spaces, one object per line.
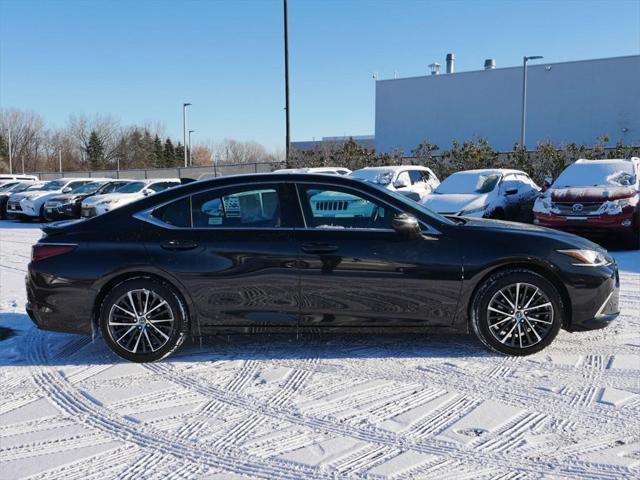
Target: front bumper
{"x":594,"y":293}
{"x":622,"y":222}
{"x":62,"y":212}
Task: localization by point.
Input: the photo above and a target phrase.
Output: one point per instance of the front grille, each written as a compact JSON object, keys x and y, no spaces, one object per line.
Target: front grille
{"x":569,"y":208}
{"x":332,"y":205}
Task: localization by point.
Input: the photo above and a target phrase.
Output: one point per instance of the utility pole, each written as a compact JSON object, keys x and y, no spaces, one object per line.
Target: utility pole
{"x":184,"y":130}
{"x":286,"y":82}
{"x":190,"y":161}
{"x":524,"y":97}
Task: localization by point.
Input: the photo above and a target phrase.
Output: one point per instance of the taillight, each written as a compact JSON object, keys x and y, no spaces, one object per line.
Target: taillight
{"x":40,"y":251}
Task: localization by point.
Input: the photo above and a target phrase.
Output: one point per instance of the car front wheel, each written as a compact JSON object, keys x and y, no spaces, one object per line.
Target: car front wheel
{"x":517,"y":312}
{"x":143,"y":320}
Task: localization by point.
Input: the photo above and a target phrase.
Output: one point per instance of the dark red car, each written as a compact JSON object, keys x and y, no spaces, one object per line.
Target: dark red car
{"x":598,"y":197}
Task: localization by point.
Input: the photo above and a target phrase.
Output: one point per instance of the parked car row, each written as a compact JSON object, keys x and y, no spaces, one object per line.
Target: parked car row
{"x":590,"y":197}
{"x":68,"y":198}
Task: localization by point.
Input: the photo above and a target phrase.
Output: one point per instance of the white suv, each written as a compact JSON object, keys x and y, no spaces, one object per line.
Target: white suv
{"x":135,"y":190}
{"x":30,"y":204}
{"x":414,"y":181}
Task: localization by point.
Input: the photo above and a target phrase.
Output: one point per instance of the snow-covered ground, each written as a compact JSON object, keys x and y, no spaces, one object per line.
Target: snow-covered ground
{"x":318,"y":406}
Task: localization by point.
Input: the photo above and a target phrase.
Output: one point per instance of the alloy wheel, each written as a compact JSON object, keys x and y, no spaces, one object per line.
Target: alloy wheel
{"x":520,"y":315}
{"x":140,"y":321}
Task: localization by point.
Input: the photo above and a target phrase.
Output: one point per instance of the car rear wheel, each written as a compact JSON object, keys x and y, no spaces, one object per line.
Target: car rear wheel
{"x":517,"y":312}
{"x":143,"y":320}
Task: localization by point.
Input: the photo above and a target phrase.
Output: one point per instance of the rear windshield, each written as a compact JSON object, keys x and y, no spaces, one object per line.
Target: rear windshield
{"x":610,"y":174}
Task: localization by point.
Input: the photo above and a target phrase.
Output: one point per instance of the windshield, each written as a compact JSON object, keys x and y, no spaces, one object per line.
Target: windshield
{"x":610,"y":174}
{"x":374,"y":175}
{"x":34,"y":187}
{"x":132,"y":187}
{"x":54,"y":185}
{"x":87,"y":188}
{"x":469,"y":182}
{"x":418,"y":206}
{"x":8,"y":186}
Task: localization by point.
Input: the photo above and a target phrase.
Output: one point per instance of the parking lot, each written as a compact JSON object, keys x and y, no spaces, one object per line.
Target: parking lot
{"x":316,"y":405}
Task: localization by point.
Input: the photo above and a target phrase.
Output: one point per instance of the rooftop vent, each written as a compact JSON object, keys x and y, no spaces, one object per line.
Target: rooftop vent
{"x":435,"y":68}
{"x":490,"y":64}
{"x":451,"y":63}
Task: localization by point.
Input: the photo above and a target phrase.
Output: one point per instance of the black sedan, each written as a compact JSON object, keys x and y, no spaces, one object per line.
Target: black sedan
{"x":305,"y":250}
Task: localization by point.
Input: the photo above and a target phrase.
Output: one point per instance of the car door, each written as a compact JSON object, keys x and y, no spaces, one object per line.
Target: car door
{"x":233,"y":250}
{"x":356,"y":270}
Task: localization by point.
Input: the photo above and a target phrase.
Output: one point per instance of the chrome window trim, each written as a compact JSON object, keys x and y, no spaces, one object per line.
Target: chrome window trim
{"x":146,"y":215}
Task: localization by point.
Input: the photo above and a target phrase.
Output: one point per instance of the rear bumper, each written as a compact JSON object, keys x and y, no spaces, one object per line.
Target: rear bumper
{"x":58,"y":305}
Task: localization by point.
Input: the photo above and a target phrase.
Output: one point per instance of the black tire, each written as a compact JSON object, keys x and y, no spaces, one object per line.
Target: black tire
{"x":143,"y":352}
{"x":42,"y":217}
{"x":488,"y":332}
{"x":634,"y":237}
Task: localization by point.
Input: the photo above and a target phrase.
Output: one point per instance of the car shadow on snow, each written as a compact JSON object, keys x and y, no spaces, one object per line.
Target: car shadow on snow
{"x":30,"y":346}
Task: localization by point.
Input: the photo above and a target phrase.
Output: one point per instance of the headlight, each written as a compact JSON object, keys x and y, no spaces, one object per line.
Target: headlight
{"x":543,"y":204}
{"x":585,"y":257}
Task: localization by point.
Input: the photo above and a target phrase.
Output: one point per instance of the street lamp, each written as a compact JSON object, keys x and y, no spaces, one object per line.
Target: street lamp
{"x":286,"y":83}
{"x":184,"y":130}
{"x":524,"y":96}
{"x":8,"y":129}
{"x":190,"y":162}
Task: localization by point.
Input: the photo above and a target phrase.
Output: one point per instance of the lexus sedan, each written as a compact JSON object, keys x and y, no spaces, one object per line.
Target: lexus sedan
{"x":309,"y":250}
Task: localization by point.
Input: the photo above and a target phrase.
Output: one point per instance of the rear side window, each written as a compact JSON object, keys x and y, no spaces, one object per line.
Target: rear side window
{"x":250,"y":208}
{"x":177,"y":213}
{"x":418,"y":176}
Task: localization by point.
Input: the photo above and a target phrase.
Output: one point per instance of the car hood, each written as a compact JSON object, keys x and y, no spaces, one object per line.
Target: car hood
{"x":454,"y":202}
{"x":590,"y":194}
{"x":38,"y":194}
{"x":64,"y":198}
{"x":121,"y":197}
{"x":501,"y":226}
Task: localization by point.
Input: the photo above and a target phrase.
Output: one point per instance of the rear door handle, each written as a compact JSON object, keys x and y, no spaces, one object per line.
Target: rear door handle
{"x":316,"y":247}
{"x":178,"y":245}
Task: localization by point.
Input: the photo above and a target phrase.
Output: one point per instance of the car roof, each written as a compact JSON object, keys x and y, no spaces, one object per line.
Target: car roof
{"x":605,"y":161}
{"x":395,"y":168}
{"x":503,"y":171}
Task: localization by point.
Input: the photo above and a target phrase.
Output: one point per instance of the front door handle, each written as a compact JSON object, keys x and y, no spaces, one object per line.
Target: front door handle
{"x":179,"y":245}
{"x":317,"y":247}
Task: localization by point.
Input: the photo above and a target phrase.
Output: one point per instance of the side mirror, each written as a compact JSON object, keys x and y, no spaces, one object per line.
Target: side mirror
{"x":66,"y":189}
{"x":511,"y":191}
{"x":407,"y":225}
{"x":400,"y":183}
{"x":146,"y":192}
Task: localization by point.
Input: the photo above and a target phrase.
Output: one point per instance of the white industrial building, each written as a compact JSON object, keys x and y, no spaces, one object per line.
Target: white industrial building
{"x":569,"y":102}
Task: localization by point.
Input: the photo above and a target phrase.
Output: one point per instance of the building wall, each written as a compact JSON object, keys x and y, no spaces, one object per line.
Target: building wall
{"x":566,"y":102}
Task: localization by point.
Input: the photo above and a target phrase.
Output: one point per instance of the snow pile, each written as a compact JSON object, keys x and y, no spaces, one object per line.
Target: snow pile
{"x":317,"y":406}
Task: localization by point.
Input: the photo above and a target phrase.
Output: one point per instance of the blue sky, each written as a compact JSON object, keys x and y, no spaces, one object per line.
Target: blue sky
{"x":139,"y":60}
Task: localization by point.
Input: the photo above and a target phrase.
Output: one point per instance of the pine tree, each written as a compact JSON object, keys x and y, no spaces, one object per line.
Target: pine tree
{"x":95,"y":151}
{"x":169,"y":153}
{"x":158,"y":153}
{"x":179,"y":155}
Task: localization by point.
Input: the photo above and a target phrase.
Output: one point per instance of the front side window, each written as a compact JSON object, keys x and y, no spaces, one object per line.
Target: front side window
{"x":332,"y":207}
{"x":252,"y":207}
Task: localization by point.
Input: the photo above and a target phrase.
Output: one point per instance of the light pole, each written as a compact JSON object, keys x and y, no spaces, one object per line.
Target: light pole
{"x":184,"y":130}
{"x":60,"y":159}
{"x":286,"y":82}
{"x":190,"y":162}
{"x":524,"y":96}
{"x":10,"y":155}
